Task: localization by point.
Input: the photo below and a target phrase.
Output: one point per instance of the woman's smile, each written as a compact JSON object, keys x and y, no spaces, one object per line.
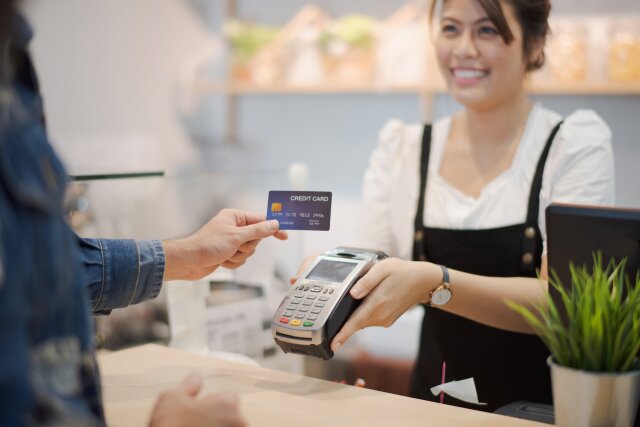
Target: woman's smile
{"x":468,"y":76}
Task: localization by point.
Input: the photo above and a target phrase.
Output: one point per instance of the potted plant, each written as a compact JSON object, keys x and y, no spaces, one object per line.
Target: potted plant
{"x":593,"y":335}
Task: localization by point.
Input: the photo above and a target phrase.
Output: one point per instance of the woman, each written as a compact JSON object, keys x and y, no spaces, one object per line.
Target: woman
{"x":472,"y":191}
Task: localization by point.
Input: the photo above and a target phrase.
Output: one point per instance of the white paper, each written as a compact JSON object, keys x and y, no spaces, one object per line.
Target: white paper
{"x":464,"y":390}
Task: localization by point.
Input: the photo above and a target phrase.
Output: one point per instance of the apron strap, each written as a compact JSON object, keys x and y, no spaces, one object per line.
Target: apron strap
{"x":531,"y":229}
{"x":418,"y":245}
{"x":532,"y":236}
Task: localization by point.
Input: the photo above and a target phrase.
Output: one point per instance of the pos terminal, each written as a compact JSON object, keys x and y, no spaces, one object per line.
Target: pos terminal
{"x":319,"y":303}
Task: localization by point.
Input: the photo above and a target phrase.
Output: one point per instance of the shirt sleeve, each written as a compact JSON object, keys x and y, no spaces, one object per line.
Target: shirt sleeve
{"x":374,"y":229}
{"x":120,"y":273}
{"x":580,"y":168}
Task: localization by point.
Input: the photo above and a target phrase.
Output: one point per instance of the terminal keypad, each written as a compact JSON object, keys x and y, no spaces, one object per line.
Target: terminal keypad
{"x":306,"y":304}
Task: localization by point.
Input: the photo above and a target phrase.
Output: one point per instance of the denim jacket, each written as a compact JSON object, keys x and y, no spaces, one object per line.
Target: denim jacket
{"x":50,"y":279}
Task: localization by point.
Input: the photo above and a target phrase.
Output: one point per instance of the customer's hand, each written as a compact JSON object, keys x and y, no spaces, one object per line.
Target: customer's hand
{"x":391,"y":288}
{"x":227,"y":240}
{"x":180,"y":407}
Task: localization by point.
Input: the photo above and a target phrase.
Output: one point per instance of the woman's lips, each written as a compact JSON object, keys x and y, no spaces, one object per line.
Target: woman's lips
{"x":468,"y":76}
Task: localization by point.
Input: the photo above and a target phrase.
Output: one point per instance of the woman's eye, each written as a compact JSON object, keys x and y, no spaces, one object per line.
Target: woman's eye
{"x":488,"y":31}
{"x":449,"y":29}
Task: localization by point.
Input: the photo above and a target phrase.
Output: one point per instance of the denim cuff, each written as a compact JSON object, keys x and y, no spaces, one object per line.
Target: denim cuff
{"x":122,"y":272}
{"x":152,"y":265}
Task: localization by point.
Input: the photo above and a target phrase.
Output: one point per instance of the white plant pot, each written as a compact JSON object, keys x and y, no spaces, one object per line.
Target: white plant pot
{"x":592,"y":399}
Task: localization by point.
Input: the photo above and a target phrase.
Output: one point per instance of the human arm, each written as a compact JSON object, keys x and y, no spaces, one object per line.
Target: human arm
{"x":228,"y":240}
{"x":124,"y":272}
{"x":180,"y":406}
{"x":579,"y":170}
{"x":393,"y":286}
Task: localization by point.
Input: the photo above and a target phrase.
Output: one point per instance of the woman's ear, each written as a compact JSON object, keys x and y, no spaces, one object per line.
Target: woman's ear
{"x":536,"y":56}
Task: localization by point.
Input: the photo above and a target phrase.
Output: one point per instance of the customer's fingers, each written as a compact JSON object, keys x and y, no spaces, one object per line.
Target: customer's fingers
{"x":223,"y":410}
{"x":191,"y":385}
{"x":249,"y":247}
{"x":240,"y":257}
{"x":260,"y":230}
{"x":244,"y":218}
{"x":232,"y":265}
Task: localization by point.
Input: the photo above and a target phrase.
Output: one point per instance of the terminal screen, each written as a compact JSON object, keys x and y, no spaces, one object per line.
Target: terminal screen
{"x":331,"y":271}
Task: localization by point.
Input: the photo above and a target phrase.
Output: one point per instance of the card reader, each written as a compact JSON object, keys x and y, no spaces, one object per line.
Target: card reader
{"x":319,"y":303}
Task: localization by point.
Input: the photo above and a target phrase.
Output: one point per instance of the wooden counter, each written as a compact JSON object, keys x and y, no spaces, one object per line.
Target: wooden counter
{"x":132,"y":379}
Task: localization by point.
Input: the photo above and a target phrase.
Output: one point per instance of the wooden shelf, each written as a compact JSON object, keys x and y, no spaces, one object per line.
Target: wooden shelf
{"x":253,"y":89}
{"x":551,"y":88}
{"x":586,"y":88}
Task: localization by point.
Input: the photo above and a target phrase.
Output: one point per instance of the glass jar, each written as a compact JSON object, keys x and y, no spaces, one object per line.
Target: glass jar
{"x":624,"y":50}
{"x":567,"y":52}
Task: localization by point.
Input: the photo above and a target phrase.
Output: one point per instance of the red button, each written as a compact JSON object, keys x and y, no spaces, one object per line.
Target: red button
{"x":284,"y":320}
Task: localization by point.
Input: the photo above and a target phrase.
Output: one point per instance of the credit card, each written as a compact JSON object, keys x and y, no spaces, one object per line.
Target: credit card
{"x":300,"y":210}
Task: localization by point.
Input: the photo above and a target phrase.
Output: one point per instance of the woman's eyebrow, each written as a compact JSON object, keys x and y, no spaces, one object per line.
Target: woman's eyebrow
{"x":457,"y":21}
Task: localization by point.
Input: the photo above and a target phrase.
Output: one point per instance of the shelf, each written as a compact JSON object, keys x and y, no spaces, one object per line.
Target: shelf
{"x":586,"y":88}
{"x":253,"y":89}
{"x":538,"y":88}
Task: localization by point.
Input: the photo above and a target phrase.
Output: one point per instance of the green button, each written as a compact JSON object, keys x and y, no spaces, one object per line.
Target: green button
{"x":307,"y":324}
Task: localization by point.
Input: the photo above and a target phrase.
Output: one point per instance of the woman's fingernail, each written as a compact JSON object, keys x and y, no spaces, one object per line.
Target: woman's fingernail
{"x":336,"y":346}
{"x":356,"y":292}
{"x":274,"y":224}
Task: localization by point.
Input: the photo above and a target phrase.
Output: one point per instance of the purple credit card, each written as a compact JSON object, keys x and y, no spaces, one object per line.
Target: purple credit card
{"x":300,"y":210}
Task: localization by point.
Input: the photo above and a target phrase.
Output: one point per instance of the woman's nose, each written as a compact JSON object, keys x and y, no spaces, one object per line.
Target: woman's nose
{"x":466,"y":46}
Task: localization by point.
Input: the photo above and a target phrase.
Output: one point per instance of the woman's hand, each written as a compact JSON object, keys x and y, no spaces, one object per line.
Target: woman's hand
{"x":391,"y":288}
{"x":180,"y":406}
{"x":308,"y":260}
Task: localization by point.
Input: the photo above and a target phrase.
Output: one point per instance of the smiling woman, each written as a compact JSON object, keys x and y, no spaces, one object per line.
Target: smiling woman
{"x":469,"y":193}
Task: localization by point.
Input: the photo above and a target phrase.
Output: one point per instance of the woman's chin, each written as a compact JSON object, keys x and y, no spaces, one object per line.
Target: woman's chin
{"x":471,"y":99}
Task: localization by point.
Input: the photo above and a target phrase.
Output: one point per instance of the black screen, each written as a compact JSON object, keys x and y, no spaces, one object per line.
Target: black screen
{"x":331,"y":271}
{"x":574,"y":233}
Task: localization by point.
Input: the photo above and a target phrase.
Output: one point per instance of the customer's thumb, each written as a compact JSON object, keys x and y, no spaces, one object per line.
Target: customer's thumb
{"x":260,"y":230}
{"x":191,"y":385}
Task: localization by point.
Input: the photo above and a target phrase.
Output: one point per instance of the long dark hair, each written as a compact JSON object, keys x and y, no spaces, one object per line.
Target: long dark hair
{"x":7,"y":22}
{"x":533,"y":17}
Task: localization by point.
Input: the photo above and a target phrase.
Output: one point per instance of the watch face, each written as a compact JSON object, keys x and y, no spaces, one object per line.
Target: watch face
{"x":441,"y":297}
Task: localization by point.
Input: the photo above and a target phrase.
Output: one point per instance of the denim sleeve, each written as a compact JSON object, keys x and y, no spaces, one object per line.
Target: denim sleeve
{"x":121,"y":272}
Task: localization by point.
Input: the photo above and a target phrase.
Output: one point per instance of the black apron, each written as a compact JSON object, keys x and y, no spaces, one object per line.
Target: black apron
{"x":506,"y":366}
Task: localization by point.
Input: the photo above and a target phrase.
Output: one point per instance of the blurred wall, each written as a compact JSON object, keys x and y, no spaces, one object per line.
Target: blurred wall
{"x":111,"y":75}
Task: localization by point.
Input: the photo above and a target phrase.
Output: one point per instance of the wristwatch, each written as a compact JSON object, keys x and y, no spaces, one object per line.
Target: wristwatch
{"x":442,"y":294}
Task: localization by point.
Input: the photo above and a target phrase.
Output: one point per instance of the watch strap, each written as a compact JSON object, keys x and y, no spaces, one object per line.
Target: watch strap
{"x":445,"y":274}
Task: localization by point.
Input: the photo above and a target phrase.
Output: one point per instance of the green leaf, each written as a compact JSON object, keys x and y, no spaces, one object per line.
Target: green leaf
{"x":600,"y":330}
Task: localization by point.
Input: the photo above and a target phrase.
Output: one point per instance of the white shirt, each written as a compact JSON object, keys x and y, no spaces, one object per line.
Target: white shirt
{"x":579,"y":170}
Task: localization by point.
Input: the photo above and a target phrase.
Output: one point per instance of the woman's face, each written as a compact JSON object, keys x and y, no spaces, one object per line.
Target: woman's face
{"x":481,"y":70}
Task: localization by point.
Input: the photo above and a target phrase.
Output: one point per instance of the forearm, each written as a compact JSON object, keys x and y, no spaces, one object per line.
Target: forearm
{"x":482,"y":299}
{"x":179,"y":260}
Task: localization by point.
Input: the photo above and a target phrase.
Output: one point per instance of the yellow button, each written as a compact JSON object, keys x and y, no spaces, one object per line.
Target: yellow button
{"x":530,"y":233}
{"x":295,"y":322}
